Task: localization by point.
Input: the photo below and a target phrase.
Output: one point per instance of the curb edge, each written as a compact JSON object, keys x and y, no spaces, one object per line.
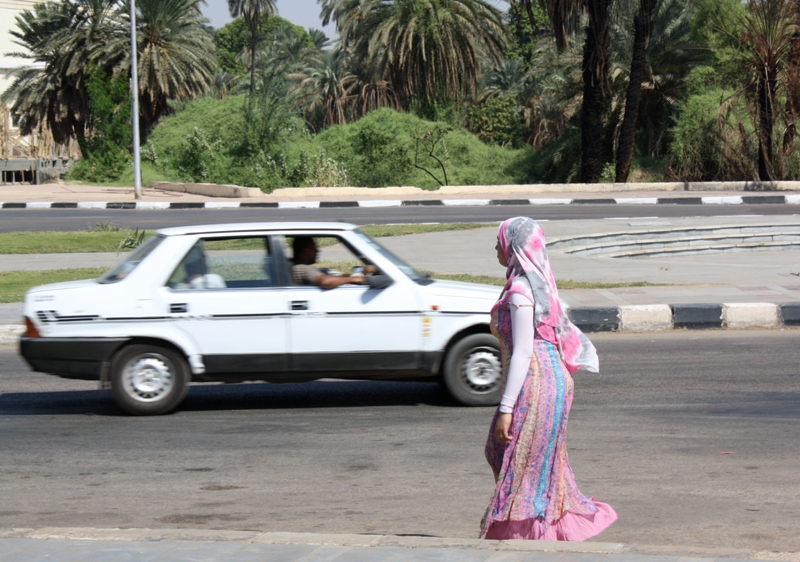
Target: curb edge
{"x":158,"y":205}
{"x":365,"y":540}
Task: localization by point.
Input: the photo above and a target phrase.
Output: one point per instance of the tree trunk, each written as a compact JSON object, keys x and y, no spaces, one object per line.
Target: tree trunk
{"x":528,"y":6}
{"x":643,"y":29}
{"x":595,"y":82}
{"x":766,"y":119}
{"x":253,"y":41}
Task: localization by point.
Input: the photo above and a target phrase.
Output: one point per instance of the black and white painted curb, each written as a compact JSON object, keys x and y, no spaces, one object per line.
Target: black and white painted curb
{"x":645,"y":318}
{"x":660,"y":317}
{"x":156,"y":205}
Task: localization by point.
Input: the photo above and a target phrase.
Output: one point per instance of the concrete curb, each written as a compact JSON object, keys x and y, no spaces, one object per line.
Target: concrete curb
{"x":380,"y":541}
{"x":188,"y":205}
{"x":643,"y":318}
{"x":661,"y":317}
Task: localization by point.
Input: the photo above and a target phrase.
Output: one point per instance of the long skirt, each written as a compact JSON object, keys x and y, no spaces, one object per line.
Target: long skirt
{"x":536,"y":496}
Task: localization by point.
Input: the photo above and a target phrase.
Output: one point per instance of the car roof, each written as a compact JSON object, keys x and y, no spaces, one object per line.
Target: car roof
{"x":254,"y":227}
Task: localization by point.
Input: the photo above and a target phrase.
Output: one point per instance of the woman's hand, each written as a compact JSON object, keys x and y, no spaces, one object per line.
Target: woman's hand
{"x":502,"y":428}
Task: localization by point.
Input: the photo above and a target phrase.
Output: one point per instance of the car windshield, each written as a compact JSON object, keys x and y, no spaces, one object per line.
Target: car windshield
{"x":123,"y":269}
{"x":412,"y":273}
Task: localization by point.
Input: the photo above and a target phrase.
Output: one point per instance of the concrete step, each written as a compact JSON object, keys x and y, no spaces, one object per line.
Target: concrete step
{"x":677,"y":241}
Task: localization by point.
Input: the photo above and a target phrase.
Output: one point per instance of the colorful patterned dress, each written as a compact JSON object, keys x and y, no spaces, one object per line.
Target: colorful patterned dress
{"x":536,"y":496}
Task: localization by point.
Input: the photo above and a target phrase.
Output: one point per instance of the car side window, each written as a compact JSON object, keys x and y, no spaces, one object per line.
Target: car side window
{"x":331,"y":256}
{"x":225,"y":263}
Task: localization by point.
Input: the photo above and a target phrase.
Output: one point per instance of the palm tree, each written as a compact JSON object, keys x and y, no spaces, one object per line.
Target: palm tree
{"x":251,"y":11}
{"x":596,"y":51}
{"x":67,"y":39}
{"x":368,"y":91}
{"x":553,"y":93}
{"x":673,"y":53}
{"x":768,"y":31}
{"x":793,"y":81}
{"x":643,"y":30}
{"x":176,"y":52}
{"x":595,"y":88}
{"x":293,"y":50}
{"x":62,"y":40}
{"x":224,"y":83}
{"x":322,"y":91}
{"x":427,"y":49}
{"x":508,"y":79}
{"x":319,"y":38}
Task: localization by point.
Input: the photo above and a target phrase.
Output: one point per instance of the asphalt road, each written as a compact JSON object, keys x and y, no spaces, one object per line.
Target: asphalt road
{"x":82,"y":219}
{"x":692,"y":436}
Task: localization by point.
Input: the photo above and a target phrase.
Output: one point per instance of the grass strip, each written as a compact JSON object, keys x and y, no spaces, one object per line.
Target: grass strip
{"x":387,"y":230}
{"x":106,"y":237}
{"x":57,"y":242}
{"x":14,"y":284}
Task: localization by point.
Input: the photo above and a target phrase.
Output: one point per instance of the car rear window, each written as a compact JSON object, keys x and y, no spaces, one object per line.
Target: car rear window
{"x":122,"y":270}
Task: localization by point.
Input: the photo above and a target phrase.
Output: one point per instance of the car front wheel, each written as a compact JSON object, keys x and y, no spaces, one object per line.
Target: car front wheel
{"x":149,"y":380}
{"x":472,"y":371}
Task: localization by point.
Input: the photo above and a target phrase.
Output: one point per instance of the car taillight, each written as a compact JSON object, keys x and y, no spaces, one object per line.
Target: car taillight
{"x":30,"y":329}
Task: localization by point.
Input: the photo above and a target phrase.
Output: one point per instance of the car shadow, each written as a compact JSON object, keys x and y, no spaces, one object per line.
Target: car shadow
{"x":248,"y":396}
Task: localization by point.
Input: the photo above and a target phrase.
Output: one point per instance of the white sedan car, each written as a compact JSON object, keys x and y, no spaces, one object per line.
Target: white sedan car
{"x":217,"y":304}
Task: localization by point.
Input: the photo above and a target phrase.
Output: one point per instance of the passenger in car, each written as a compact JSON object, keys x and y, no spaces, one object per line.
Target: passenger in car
{"x":304,"y":251}
{"x":197,"y":276}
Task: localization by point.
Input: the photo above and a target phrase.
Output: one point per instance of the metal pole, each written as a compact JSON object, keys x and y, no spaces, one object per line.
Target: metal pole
{"x":137,"y":170}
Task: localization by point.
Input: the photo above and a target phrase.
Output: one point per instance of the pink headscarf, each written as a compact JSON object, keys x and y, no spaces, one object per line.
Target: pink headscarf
{"x":529,"y":273}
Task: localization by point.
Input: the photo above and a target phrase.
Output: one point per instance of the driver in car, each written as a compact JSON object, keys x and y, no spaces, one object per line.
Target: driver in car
{"x":305,"y":252}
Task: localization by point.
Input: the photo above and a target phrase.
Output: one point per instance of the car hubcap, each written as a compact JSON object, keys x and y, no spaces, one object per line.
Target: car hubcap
{"x":481,"y":370}
{"x":148,"y":377}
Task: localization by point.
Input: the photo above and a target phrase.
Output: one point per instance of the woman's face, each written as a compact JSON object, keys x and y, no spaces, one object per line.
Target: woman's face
{"x":501,"y":255}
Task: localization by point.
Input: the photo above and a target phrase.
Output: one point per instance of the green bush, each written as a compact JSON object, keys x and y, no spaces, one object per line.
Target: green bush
{"x":211,"y":142}
{"x":221,"y":119}
{"x":380,"y":149}
{"x":711,"y":146}
{"x":105,"y":147}
{"x":497,"y":121}
{"x":205,"y":142}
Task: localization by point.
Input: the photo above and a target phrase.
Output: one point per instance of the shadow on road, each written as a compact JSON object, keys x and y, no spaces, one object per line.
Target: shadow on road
{"x":254,"y":396}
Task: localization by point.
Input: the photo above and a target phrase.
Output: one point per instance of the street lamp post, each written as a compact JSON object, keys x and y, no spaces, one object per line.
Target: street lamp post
{"x":137,"y":170}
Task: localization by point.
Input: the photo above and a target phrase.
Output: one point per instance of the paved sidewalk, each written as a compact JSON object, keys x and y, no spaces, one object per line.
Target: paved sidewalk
{"x":62,"y":545}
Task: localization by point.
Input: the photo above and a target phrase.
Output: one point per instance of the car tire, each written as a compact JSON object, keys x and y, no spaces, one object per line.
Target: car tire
{"x":149,"y":380}
{"x":472,"y":371}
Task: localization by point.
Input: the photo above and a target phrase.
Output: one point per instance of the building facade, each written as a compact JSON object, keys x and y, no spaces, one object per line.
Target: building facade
{"x":9,"y":9}
{"x":12,"y":144}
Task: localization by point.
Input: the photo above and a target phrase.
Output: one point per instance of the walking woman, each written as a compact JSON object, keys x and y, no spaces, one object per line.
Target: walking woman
{"x":536,"y":496}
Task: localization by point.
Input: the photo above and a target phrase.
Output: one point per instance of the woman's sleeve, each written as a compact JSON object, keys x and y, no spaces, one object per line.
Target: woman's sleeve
{"x":522,"y":333}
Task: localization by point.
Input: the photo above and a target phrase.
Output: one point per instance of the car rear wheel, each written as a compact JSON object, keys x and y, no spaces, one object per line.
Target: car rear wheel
{"x":472,"y":371}
{"x":148,"y":380}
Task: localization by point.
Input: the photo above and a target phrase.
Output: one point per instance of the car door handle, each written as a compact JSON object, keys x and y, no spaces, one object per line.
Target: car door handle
{"x":178,"y":307}
{"x":299,"y":305}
